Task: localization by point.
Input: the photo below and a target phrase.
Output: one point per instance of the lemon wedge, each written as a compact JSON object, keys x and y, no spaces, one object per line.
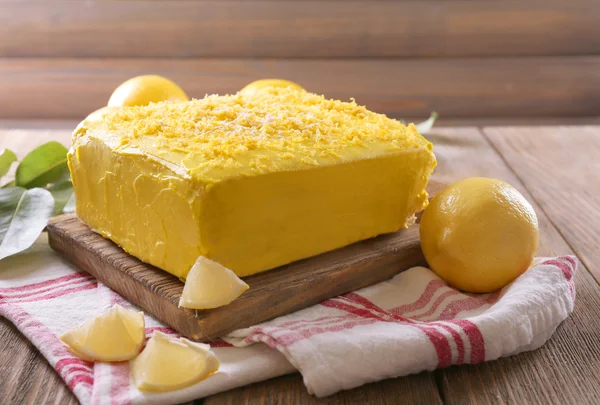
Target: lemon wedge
{"x":169,"y":363}
{"x":116,"y":335}
{"x":210,"y":285}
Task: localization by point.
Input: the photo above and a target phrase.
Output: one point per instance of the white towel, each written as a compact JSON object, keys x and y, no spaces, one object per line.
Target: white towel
{"x":410,"y":323}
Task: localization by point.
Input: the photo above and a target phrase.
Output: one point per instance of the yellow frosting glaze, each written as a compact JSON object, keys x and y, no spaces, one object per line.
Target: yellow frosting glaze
{"x":252,"y":181}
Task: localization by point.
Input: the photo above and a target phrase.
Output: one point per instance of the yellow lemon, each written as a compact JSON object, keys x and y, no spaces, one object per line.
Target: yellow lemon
{"x":143,"y":90}
{"x":479,"y":234}
{"x":116,"y":335}
{"x":264,"y":83}
{"x":210,"y":285}
{"x":169,"y":363}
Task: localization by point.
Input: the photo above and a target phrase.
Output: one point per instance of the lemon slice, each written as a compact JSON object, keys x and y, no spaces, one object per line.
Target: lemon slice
{"x":169,"y":363}
{"x":116,"y":335}
{"x":210,"y":285}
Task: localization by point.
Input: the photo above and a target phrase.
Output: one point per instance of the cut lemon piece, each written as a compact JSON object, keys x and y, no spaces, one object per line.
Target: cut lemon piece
{"x":210,"y":285}
{"x":116,"y":335}
{"x":169,"y":363}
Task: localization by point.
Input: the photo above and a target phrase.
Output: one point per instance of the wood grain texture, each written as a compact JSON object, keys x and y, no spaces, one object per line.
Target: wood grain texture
{"x":563,"y":371}
{"x":25,"y":376}
{"x":287,"y":390}
{"x":560,"y":166}
{"x":274,"y":293}
{"x":531,"y":86}
{"x":298,"y":29}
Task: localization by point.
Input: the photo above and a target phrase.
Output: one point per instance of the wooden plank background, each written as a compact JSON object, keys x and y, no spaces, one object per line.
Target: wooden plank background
{"x":462,"y":58}
{"x":524,"y":86}
{"x":299,"y":29}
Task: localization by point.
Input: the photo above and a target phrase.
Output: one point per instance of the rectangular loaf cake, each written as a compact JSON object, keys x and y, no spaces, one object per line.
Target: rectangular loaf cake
{"x":250,"y":181}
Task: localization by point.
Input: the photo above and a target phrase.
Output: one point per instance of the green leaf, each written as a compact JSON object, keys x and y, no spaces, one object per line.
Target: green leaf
{"x":23,"y":216}
{"x":62,"y":193}
{"x":7,"y":158}
{"x":45,"y":164}
{"x":11,"y":183}
{"x":425,"y":126}
{"x":70,"y":206}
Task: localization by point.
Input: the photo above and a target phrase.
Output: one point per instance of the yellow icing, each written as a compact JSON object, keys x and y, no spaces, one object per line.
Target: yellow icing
{"x":251,"y":181}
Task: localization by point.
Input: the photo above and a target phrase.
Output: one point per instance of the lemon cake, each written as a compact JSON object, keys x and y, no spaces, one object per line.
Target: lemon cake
{"x":251,"y":181}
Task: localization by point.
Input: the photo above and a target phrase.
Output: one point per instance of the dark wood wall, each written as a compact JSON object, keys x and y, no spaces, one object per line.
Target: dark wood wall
{"x":462,"y":58}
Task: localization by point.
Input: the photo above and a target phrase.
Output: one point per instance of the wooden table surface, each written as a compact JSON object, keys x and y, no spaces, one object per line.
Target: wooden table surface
{"x":556,"y":167}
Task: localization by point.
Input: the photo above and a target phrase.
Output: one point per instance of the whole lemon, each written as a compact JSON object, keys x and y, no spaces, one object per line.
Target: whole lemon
{"x":479,"y":234}
{"x":143,"y":90}
{"x":263,"y":83}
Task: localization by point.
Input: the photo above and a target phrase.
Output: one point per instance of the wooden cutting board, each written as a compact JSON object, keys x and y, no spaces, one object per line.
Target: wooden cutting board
{"x":273,"y":293}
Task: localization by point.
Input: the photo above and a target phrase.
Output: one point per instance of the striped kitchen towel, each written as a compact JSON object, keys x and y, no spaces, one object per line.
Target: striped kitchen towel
{"x":410,"y":323}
